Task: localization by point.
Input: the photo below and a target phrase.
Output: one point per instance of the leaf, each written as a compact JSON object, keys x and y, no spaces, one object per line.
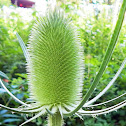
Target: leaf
{"x":12,"y":94}
{"x":3,"y":75}
{"x":20,"y":96}
{"x":10,"y":115}
{"x":34,"y":117}
{"x":2,"y":112}
{"x":11,"y":120}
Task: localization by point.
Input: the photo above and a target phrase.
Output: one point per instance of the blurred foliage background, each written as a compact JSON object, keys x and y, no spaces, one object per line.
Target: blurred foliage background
{"x":95,"y":21}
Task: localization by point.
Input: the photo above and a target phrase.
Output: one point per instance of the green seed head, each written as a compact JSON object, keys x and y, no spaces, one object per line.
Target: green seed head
{"x":56,"y":61}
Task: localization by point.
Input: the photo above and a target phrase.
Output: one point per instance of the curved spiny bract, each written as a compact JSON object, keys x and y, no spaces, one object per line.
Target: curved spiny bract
{"x":56,"y":61}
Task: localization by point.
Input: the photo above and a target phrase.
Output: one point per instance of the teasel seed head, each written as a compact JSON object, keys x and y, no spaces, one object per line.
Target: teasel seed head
{"x":55,"y":68}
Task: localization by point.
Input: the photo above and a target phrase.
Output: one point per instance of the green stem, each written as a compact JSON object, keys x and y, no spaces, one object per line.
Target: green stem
{"x":106,"y":58}
{"x":55,"y":120}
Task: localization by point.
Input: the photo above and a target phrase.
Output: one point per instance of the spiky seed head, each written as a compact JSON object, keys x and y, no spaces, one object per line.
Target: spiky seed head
{"x":56,"y":62}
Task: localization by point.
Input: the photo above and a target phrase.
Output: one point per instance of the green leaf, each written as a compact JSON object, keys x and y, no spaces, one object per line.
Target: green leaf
{"x":3,"y":112}
{"x":11,"y":120}
{"x":10,"y":115}
{"x":3,"y":75}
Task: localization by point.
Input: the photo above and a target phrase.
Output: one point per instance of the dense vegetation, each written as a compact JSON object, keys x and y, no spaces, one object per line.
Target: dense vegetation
{"x":95,"y":33}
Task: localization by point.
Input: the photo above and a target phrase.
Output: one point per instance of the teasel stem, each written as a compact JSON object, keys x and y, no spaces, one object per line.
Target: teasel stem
{"x":106,"y":59}
{"x":55,"y":120}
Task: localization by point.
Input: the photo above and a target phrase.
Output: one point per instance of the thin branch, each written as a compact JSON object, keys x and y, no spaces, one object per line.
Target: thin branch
{"x":103,"y":103}
{"x":18,"y":100}
{"x":108,"y":86}
{"x":23,"y":110}
{"x":80,"y":116}
{"x":32,"y":106}
{"x":17,"y":110}
{"x":103,"y":111}
{"x":36,"y":116}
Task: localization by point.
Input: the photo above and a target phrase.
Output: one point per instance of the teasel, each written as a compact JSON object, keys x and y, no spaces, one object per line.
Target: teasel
{"x":55,"y":65}
{"x":55,"y":70}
